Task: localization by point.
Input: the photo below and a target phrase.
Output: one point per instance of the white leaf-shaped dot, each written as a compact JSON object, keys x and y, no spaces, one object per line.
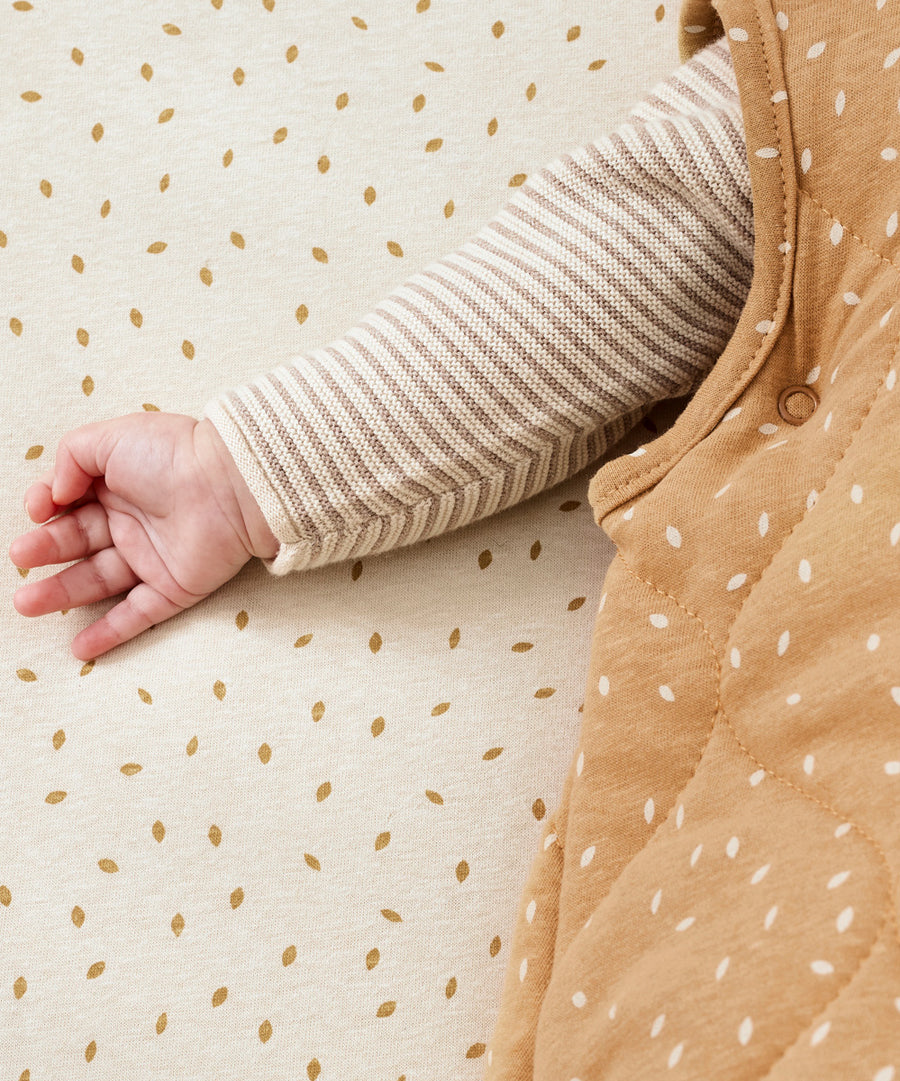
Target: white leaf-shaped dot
{"x":895,"y":535}
{"x":883,"y":321}
{"x":895,"y":694}
{"x":889,"y":153}
{"x":760,"y":874}
{"x":843,"y":829}
{"x":695,"y":855}
{"x":673,"y":536}
{"x":763,"y":524}
{"x":804,"y":570}
{"x":812,"y":499}
{"x":814,"y":373}
{"x":722,"y":491}
{"x":856,"y":493}
{"x":838,"y":880}
{"x":588,"y":855}
{"x":722,"y":967}
{"x":679,"y":816}
{"x":809,"y":764}
{"x":779,"y":95}
{"x":735,"y":658}
{"x":767,"y":152}
{"x":822,"y":968}
{"x":873,"y":642}
{"x":891,"y":379}
{"x":827,"y":424}
{"x":783,"y":642}
{"x":628,"y":515}
{"x":892,"y":57}
{"x":816,"y":50}
{"x":732,"y":413}
{"x":530,"y":911}
{"x":667,"y":693}
{"x":738,"y":33}
{"x":892,"y":768}
{"x":781,"y":21}
{"x":612,"y":1012}
{"x":819,"y":1034}
{"x":837,"y":233}
{"x":792,"y":699}
{"x":549,"y":840}
{"x":603,"y":685}
{"x":851,"y":299}
{"x":757,"y":777}
{"x":806,"y":160}
{"x":845,"y":919}
{"x":764,"y":326}
{"x":579,"y":765}
{"x":649,"y":810}
{"x":839,"y":102}
{"x":891,"y":226}
{"x":736,"y":582}
{"x":770,"y":917}
{"x":579,"y":999}
{"x":659,"y":620}
{"x":687,"y":922}
{"x":654,"y":904}
{"x":638,"y":453}
{"x":602,"y":604}
{"x":745,"y":1031}
{"x":731,"y":849}
{"x":768,"y":429}
{"x":657,"y":1026}
{"x":523,"y":968}
{"x":886,"y":1073}
{"x":676,"y":1053}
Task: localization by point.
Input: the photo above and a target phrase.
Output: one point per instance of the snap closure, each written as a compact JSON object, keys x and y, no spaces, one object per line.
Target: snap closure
{"x":797,"y":404}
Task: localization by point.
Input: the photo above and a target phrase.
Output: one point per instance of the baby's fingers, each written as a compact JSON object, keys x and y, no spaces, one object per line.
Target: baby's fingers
{"x":141,"y":609}
{"x":73,"y":536}
{"x":102,"y":575}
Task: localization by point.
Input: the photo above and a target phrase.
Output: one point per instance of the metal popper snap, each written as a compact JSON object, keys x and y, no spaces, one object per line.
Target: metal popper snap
{"x":797,"y":404}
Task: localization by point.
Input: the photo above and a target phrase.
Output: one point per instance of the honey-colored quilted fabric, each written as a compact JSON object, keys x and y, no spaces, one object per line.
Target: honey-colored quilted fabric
{"x":283,"y":835}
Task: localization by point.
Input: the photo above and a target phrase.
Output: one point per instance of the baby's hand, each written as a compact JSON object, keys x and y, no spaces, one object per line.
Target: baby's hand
{"x":152,"y":504}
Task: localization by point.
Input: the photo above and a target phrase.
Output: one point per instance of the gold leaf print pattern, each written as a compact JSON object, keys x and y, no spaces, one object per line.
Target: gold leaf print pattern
{"x":5,"y":896}
{"x":375,"y":642}
{"x":394,"y":248}
{"x":341,"y":101}
{"x":433,"y":144}
{"x":109,"y":866}
{"x":323,"y":791}
{"x":530,"y":91}
{"x":77,"y":54}
{"x":192,"y":746}
{"x":238,"y":76}
{"x":433,"y":65}
{"x":237,"y":240}
{"x":55,"y":797}
{"x":78,"y":916}
{"x":538,"y":809}
{"x":19,"y":987}
{"x":386,"y":1009}
{"x":494,"y":947}
{"x":59,"y":738}
{"x":215,"y":836}
{"x":97,"y":132}
{"x":96,"y":970}
{"x":131,"y":768}
{"x":31,"y":95}
{"x":280,"y":135}
{"x":265,"y":754}
{"x":318,"y":711}
{"x":518,"y":180}
{"x":302,"y":314}
{"x":453,"y":640}
{"x":237,"y":897}
{"x":320,"y":255}
{"x":15,"y":325}
{"x":449,"y":208}
{"x":440,"y":709}
{"x":485,"y":559}
{"x":165,"y":116}
{"x":289,"y":956}
{"x":303,"y":640}
{"x":46,"y":188}
{"x":219,"y":690}
{"x":323,"y":165}
{"x":312,"y":861}
{"x":206,"y":275}
{"x":171,"y":28}
{"x":90,"y":1051}
{"x":576,"y":603}
{"x":357,"y":21}
{"x":372,"y":958}
{"x":356,"y":571}
{"x":161,"y":1023}
{"x":291,"y":54}
{"x":177,"y":924}
{"x":159,"y":831}
{"x":450,"y":989}
{"x":660,"y":13}
{"x":265,"y":1031}
{"x":435,"y":797}
{"x":573,"y":32}
{"x":369,"y":195}
{"x":382,"y":841}
{"x":83,"y":338}
{"x":313,"y":1069}
{"x":596,"y":65}
{"x":462,"y":870}
{"x":104,"y":210}
{"x":476,"y":1050}
{"x":522,"y":647}
{"x":423,"y":5}
{"x":87,"y":668}
{"x":493,"y":753}
{"x":146,"y":72}
{"x":145,"y":696}
{"x":418,"y":103}
{"x":392,"y":916}
{"x":78,"y":264}
{"x":157,"y":246}
{"x":227,"y":158}
{"x":492,"y":126}
{"x":544,"y":692}
{"x":219,"y":996}
{"x":497,"y":29}
{"x":377,"y":726}
{"x":241,"y":620}
{"x":26,"y":675}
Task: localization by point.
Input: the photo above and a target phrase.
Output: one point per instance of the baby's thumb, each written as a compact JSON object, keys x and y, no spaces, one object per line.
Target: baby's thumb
{"x":80,"y":457}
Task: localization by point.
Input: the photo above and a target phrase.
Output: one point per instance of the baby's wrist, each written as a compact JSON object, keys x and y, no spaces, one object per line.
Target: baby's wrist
{"x":258,"y":538}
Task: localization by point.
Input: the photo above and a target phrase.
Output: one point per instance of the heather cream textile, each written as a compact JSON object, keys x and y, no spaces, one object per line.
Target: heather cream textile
{"x":284,"y":835}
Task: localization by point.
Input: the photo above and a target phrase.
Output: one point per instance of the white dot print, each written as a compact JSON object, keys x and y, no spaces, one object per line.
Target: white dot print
{"x":523,"y":968}
{"x":770,"y":917}
{"x":736,"y":582}
{"x":667,"y":693}
{"x":882,"y":322}
{"x":579,"y":765}
{"x":844,"y":919}
{"x":838,"y":880}
{"x":722,"y":967}
{"x":579,"y":999}
{"x":839,"y":102}
{"x":827,"y":423}
{"x":873,"y":642}
{"x":837,"y":233}
{"x":892,"y":57}
{"x":814,"y":373}
{"x":765,"y":326}
{"x":809,"y":765}
{"x":895,"y":535}
{"x":735,"y":658}
{"x":889,"y":153}
{"x":767,"y":152}
{"x":806,"y":160}
{"x":781,"y":21}
{"x":851,"y":299}
{"x":856,"y":494}
{"x":675,"y":1056}
{"x":760,"y":874}
{"x":695,"y":855}
{"x":745,"y":1032}
{"x":659,"y":620}
{"x":891,"y":226}
{"x":549,"y":840}
{"x":891,"y":380}
{"x":763,"y":524}
{"x":679,"y":816}
{"x":731,"y":849}
{"x":843,"y":829}
{"x":603,"y":686}
{"x":812,"y":499}
{"x":721,"y":491}
{"x":629,"y":514}
{"x":783,"y":642}
{"x":895,"y":694}
{"x":819,"y":1034}
{"x":732,"y":413}
{"x":657,"y":1026}
{"x":768,"y":429}
{"x":612,"y":1012}
{"x":687,"y":922}
{"x":530,"y":911}
{"x":649,"y":810}
{"x":757,"y":777}
{"x":816,"y":50}
{"x":588,"y":855}
{"x":792,"y":699}
{"x":886,"y":1073}
{"x":779,"y":95}
{"x":822,"y":968}
{"x":654,"y":904}
{"x":673,"y":536}
{"x":804,"y":570}
{"x":892,"y":768}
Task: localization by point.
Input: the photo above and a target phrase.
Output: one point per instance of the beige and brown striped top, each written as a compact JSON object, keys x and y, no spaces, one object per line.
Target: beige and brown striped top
{"x":612,"y":280}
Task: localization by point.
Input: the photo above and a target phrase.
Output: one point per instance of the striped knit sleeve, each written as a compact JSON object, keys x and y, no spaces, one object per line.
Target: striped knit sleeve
{"x":612,"y":280}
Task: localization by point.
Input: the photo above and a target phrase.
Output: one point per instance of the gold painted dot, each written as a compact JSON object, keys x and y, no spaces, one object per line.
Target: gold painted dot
{"x":2,"y":239}
{"x":423,"y":5}
{"x":391,"y":915}
{"x":596,"y":65}
{"x":573,"y":33}
{"x":492,"y":126}
{"x":237,"y":240}
{"x":265,"y":1029}
{"x":241,"y":620}
{"x":96,"y":970}
{"x":159,"y":831}
{"x":78,"y":264}
{"x":83,"y":338}
{"x":269,"y":5}
{"x":377,"y":726}
{"x":323,"y":164}
{"x":491,"y":754}
{"x":104,"y":210}
{"x":15,"y":325}
{"x":164,"y":183}
{"x":146,"y":72}
{"x":357,"y":21}
{"x":531,"y":91}
{"x":450,"y":989}
{"x":59,"y":738}
{"x":78,"y":916}
{"x":215,"y":836}
{"x":323,"y":791}
{"x":145,"y":696}
{"x":77,"y":54}
{"x":440,"y":709}
{"x":19,"y":987}
{"x":386,"y":1009}
{"x":55,"y":797}
{"x":161,"y":1023}
{"x":192,"y":746}
{"x":433,"y":65}
{"x":372,"y":958}
{"x":341,"y":101}
{"x":522,"y":647}
{"x":109,"y":866}
{"x":369,"y":195}
{"x":518,"y":180}
{"x":171,"y":28}
{"x":302,"y":641}
{"x":448,"y":208}
{"x":356,"y":570}
{"x":292,"y":54}
{"x":435,"y":797}
{"x":433,"y":144}
{"x":313,"y":1069}
{"x":302,"y":314}
{"x":485,"y":559}
{"x":418,"y":103}
{"x":454,"y":638}
{"x":476,"y":1050}
{"x":495,"y":946}
{"x":34,"y":452}
{"x":227,"y":158}
{"x":206,"y":275}
{"x":318,"y":711}
{"x":23,"y":572}
{"x":177,"y":924}
{"x":149,"y":407}
{"x":90,"y":1051}
{"x":238,"y":76}
{"x":280,"y":135}
{"x":217,"y":4}
{"x":382,"y":841}
{"x":87,"y":668}
{"x":46,"y":188}
{"x":26,"y":675}
{"x":462,"y":870}
{"x":165,"y":116}
{"x":538,"y":809}
{"x":320,"y":255}
{"x":237,"y":896}
{"x":87,"y":387}
{"x":219,"y":689}
{"x":265,"y":754}
{"x":497,"y":29}
{"x":219,"y":996}
{"x":97,"y":132}
{"x":289,"y":956}
{"x":394,"y":248}
{"x":312,"y":861}
{"x":136,"y":317}
{"x":660,"y":13}
{"x":545,"y":692}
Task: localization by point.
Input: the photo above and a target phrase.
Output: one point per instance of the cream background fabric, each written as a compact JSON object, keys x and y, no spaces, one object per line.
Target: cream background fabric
{"x":206,"y":836}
